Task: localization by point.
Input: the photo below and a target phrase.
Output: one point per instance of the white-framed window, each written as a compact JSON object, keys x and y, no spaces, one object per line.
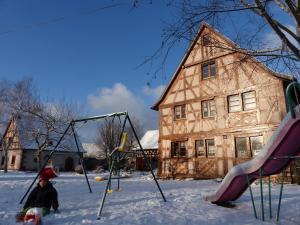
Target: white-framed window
{"x":242,"y":102}
{"x":249,"y":100}
{"x":234,"y":103}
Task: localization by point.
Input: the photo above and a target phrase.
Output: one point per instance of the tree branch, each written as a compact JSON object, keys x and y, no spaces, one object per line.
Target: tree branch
{"x":287,"y":30}
{"x":276,"y":28}
{"x":293,"y":10}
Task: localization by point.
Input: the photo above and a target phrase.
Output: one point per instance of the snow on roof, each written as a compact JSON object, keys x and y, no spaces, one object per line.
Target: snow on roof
{"x":150,"y":139}
{"x":93,"y":150}
{"x":27,"y":126}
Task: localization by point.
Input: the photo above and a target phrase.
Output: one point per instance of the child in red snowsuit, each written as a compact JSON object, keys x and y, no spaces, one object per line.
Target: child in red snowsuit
{"x":43,"y":197}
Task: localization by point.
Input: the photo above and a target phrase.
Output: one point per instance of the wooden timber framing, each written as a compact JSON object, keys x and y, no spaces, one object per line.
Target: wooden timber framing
{"x":226,"y":97}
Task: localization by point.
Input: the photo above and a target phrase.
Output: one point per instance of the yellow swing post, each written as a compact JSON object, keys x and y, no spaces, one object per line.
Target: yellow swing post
{"x":123,"y":142}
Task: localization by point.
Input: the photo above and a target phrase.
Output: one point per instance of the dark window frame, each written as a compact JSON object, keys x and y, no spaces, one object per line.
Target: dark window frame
{"x":177,"y":149}
{"x":13,"y":160}
{"x":206,"y":40}
{"x":209,"y":67}
{"x":206,"y":149}
{"x":203,"y":146}
{"x":261,"y":143}
{"x":248,"y":148}
{"x":249,"y":143}
{"x":182,"y":112}
{"x":209,"y":108}
{"x":2,"y":160}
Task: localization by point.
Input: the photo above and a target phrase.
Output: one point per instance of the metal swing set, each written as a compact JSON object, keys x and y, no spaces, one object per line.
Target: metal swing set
{"x":115,"y":155}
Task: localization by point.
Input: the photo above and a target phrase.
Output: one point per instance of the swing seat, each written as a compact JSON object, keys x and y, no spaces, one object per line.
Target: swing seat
{"x":99,"y":179}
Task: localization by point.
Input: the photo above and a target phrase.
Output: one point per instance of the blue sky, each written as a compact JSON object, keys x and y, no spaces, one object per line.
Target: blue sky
{"x":86,"y":57}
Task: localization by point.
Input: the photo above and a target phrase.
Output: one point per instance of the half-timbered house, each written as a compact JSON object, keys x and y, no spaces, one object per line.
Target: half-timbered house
{"x":219,"y":109}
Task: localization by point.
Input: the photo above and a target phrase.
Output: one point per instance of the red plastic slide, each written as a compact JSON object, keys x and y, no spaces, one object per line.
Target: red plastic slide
{"x":272,"y":159}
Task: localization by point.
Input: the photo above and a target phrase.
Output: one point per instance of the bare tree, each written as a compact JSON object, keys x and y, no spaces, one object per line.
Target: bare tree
{"x":258,"y":16}
{"x":109,"y":134}
{"x":139,"y":129}
{"x":39,"y":125}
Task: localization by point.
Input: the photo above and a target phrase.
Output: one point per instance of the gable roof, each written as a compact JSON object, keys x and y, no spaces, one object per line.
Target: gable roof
{"x":5,"y":128}
{"x":190,"y":48}
{"x":27,"y":125}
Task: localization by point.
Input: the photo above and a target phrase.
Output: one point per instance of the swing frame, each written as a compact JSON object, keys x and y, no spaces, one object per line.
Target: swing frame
{"x":115,"y":155}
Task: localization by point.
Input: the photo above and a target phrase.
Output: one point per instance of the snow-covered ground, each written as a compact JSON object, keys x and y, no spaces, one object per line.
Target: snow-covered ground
{"x":140,"y":202}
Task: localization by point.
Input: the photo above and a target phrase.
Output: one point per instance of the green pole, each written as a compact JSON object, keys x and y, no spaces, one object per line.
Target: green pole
{"x":109,"y":166}
{"x":289,"y":95}
{"x":261,"y":195}
{"x":280,"y":196}
{"x":270,"y":199}
{"x":251,"y":194}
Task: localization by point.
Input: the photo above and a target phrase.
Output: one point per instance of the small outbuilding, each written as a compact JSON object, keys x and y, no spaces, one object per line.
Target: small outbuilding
{"x":20,"y":143}
{"x":149,"y":143}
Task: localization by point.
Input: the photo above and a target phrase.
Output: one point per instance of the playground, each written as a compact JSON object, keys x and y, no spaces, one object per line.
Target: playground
{"x":140,"y":199}
{"x":140,"y":203}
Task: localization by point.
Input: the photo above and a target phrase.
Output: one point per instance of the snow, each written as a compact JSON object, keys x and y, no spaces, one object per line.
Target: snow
{"x":140,"y":202}
{"x":93,"y":150}
{"x":150,"y":140}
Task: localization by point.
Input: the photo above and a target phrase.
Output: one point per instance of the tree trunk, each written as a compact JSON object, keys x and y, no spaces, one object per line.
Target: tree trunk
{"x":5,"y":159}
{"x":5,"y":154}
{"x":38,"y":159}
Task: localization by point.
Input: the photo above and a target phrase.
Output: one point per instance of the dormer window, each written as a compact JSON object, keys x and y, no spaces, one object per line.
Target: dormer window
{"x":208,"y":70}
{"x":206,"y":40}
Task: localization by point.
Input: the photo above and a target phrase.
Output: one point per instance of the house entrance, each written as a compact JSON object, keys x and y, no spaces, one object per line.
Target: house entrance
{"x":69,"y":164}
